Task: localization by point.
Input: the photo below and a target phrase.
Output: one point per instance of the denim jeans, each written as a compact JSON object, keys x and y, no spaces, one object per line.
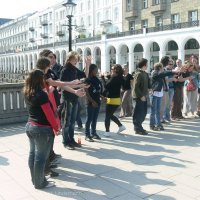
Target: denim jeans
{"x":78,"y":116}
{"x":69,"y":121}
{"x":169,"y":105}
{"x":139,"y":114}
{"x":155,"y":110}
{"x":92,"y":115}
{"x":41,"y":140}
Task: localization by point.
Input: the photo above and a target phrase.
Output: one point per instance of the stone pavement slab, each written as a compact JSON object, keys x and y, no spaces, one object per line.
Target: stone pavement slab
{"x":161,"y":166}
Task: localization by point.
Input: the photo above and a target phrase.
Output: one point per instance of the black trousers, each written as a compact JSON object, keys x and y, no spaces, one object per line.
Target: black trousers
{"x":110,"y":109}
{"x":139,"y":114}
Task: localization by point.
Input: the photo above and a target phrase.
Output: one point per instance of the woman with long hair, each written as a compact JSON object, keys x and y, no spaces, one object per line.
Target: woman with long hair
{"x":112,"y":94}
{"x":40,"y":128}
{"x":93,"y":94}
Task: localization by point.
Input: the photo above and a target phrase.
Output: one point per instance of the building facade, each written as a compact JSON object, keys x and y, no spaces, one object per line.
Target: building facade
{"x":149,"y":28}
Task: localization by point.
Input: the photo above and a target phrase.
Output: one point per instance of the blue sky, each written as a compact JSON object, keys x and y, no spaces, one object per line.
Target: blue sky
{"x":17,"y":8}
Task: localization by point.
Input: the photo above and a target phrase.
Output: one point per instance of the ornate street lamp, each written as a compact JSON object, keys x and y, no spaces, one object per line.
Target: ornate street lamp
{"x":70,"y":8}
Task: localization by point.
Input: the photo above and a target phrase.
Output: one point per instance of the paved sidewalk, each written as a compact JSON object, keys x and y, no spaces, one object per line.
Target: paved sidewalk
{"x":161,"y":166}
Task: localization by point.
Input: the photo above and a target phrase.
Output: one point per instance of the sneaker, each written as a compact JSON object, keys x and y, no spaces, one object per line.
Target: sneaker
{"x":89,"y":139}
{"x":95,"y":136}
{"x":52,"y":173}
{"x":53,"y":166}
{"x":106,"y":134}
{"x":69,"y":146}
{"x":121,"y":128}
{"x":75,"y":144}
{"x":161,"y":127}
{"x":141,"y":132}
{"x":49,"y":184}
{"x":154,"y":128}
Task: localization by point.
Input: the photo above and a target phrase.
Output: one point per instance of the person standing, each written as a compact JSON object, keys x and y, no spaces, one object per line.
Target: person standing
{"x":113,"y":101}
{"x":40,"y":128}
{"x":70,"y":101}
{"x":93,"y":94}
{"x":140,"y":87}
{"x":126,"y":105}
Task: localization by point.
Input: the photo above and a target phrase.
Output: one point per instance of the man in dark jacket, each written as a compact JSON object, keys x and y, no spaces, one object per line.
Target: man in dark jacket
{"x":140,"y":87}
{"x":70,"y":101}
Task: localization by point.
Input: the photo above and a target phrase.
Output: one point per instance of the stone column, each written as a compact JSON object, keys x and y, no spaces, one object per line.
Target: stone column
{"x":181,"y":55}
{"x":146,"y":54}
{"x":105,"y":65}
{"x":131,"y":62}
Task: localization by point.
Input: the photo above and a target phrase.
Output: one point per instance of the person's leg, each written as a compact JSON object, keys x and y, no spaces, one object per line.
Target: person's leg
{"x":72,"y":121}
{"x":43,"y":138}
{"x":78,"y":117}
{"x":193,"y":102}
{"x":66,"y":123}
{"x":31,"y":152}
{"x":153,"y":111}
{"x":94,"y":120}
{"x":122,"y":112}
{"x":129,"y":107}
{"x":89,"y":117}
{"x":139,"y":115}
{"x":107,"y":117}
{"x":158,"y":107}
{"x":185,"y":101}
{"x":113,"y":117}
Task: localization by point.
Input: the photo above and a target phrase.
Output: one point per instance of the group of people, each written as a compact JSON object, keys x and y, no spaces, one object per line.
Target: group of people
{"x":52,"y":97}
{"x":173,"y":91}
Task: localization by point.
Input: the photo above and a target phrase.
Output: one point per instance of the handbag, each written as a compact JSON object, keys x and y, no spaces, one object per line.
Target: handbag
{"x":190,"y":86}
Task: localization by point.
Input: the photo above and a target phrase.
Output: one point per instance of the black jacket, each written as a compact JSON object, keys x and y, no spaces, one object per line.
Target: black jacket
{"x":158,"y":79}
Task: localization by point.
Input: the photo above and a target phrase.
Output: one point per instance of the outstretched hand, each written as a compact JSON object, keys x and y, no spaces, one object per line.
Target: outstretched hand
{"x":88,"y":60}
{"x":80,"y":92}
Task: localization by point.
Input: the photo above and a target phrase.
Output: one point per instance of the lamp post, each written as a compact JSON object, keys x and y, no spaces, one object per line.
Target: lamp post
{"x":70,"y":7}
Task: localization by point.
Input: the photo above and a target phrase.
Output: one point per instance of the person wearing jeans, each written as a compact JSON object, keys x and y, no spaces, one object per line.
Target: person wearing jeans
{"x":158,"y":82}
{"x":41,"y":126}
{"x":70,"y":73}
{"x":41,"y":140}
{"x":93,"y":94}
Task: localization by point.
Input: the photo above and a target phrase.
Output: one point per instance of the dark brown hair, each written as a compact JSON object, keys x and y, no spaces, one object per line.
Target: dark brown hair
{"x":33,"y":83}
{"x":43,"y":63}
{"x":118,"y":69}
{"x":45,"y":53}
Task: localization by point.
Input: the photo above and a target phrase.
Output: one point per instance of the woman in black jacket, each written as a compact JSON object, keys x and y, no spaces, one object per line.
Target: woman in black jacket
{"x":112,"y":94}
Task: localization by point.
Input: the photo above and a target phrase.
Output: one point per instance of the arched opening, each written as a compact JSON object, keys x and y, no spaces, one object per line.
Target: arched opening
{"x":138,"y":53}
{"x":124,"y":52}
{"x":112,"y":56}
{"x":97,"y":57}
{"x":191,"y":48}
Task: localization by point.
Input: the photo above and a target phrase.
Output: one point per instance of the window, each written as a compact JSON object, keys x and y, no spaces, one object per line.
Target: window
{"x":107,"y":15}
{"x":81,"y":7}
{"x":156,"y":2}
{"x":89,"y":5}
{"x":145,"y":3}
{"x":129,"y":5}
{"x":98,"y":18}
{"x":175,"y":19}
{"x":82,"y":22}
{"x":116,"y":14}
{"x":158,"y":21}
{"x":193,"y":16}
{"x":89,"y":20}
{"x":131,"y":25}
{"x":144,"y":23}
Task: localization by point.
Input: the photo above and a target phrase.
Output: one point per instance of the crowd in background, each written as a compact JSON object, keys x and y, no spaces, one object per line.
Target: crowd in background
{"x":52,"y":94}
